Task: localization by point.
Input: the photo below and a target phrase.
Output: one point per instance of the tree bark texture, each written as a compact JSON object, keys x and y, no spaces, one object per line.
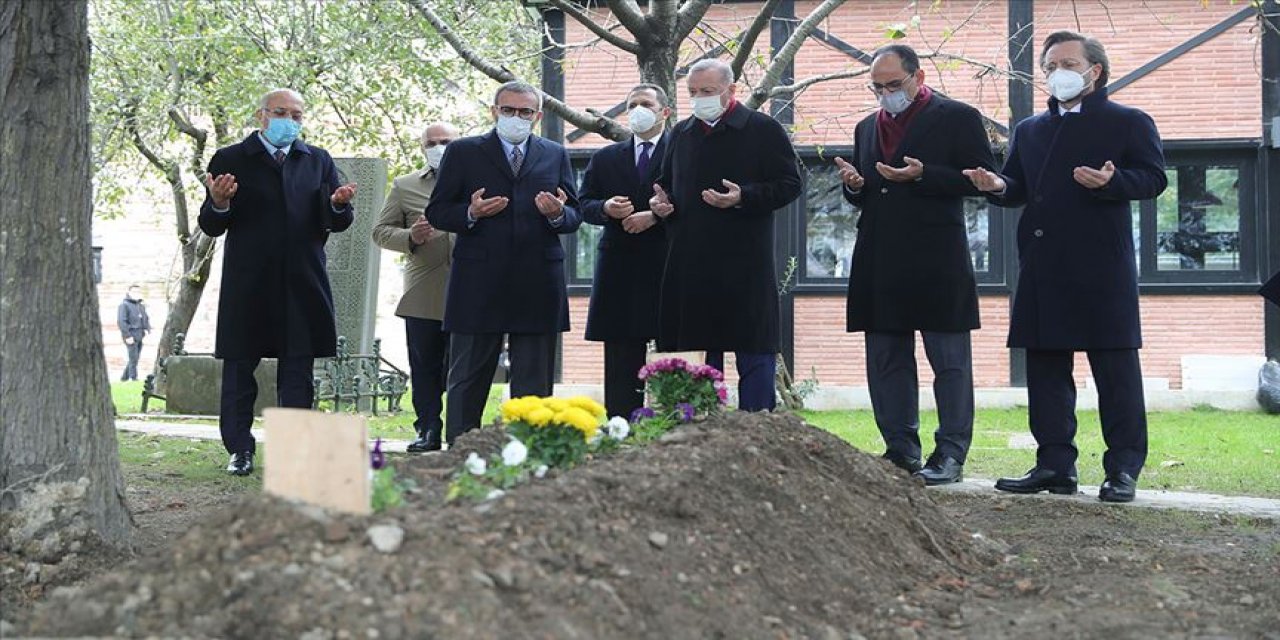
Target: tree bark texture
{"x":60,"y":479}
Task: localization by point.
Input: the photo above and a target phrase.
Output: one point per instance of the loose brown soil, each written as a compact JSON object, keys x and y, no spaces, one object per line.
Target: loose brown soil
{"x":751,"y":526}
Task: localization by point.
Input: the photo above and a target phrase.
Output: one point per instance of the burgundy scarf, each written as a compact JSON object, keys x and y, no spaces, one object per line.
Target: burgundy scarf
{"x":891,"y":130}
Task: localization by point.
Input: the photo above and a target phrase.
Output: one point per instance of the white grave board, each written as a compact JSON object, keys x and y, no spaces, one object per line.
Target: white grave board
{"x":318,"y":458}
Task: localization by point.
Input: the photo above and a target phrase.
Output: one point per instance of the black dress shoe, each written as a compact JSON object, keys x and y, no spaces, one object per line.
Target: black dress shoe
{"x":906,"y":463}
{"x":241,"y":464}
{"x":941,"y":470}
{"x":423,"y":444}
{"x":1040,"y":479}
{"x":1120,"y":487}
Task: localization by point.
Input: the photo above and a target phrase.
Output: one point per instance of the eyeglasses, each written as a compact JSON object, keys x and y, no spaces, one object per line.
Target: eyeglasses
{"x":436,"y":143}
{"x":281,"y":112}
{"x":525,"y":113}
{"x":890,"y":87}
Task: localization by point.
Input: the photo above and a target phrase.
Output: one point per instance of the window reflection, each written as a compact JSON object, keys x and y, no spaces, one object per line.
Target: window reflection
{"x":1198,"y":219}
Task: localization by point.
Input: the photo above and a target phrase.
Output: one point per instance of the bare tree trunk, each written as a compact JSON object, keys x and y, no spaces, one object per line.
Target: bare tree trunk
{"x":183,"y":304}
{"x":60,"y":480}
{"x":658,"y":66}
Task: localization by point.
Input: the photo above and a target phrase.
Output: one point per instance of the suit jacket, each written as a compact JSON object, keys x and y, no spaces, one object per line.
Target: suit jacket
{"x":1078,"y":279}
{"x":720,"y":287}
{"x":508,"y":269}
{"x":628,"y":276}
{"x":275,"y":299}
{"x":426,"y":269}
{"x":911,"y":268}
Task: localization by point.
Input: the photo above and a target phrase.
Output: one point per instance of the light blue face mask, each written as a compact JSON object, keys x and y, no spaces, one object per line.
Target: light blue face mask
{"x":895,"y":102}
{"x":281,"y":132}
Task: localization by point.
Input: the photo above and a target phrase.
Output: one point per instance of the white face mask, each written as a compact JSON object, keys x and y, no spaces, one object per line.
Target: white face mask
{"x":1065,"y":84}
{"x":707,"y":108}
{"x":641,"y":119}
{"x":895,"y":102}
{"x":514,"y":129}
{"x":433,"y":155}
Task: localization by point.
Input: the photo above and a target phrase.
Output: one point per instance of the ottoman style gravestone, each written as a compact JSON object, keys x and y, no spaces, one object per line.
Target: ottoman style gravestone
{"x":193,"y":382}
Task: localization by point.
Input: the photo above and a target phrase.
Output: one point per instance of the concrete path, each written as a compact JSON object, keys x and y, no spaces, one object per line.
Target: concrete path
{"x":1202,"y":502}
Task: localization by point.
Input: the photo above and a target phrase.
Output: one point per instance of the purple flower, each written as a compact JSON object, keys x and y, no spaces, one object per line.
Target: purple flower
{"x":685,"y":412}
{"x":641,"y":413}
{"x":722,"y":392}
{"x":377,"y":459}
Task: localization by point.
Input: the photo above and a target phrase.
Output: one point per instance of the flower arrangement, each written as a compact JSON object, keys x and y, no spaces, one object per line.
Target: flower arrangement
{"x":545,"y":433}
{"x":683,"y":391}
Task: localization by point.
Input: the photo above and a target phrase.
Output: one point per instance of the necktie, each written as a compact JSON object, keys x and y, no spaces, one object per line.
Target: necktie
{"x":642,"y":164}
{"x":517,"y":159}
{"x":279,"y":157}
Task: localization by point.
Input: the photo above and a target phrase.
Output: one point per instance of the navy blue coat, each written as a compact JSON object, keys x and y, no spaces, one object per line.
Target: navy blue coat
{"x":275,"y":299}
{"x":508,"y":269}
{"x":1078,"y":280}
{"x":911,"y":268}
{"x":628,"y":277}
{"x":720,"y":287}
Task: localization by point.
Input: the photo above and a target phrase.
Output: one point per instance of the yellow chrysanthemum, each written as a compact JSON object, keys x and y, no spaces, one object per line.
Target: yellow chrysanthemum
{"x":555,"y":404}
{"x":515,"y":409}
{"x":583,"y":402}
{"x":579,"y":419}
{"x":540,"y":416}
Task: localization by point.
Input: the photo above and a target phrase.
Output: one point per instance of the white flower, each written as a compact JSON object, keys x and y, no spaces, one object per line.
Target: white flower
{"x":495,"y":494}
{"x":476,"y":465}
{"x":617,"y":427}
{"x":540,"y":471}
{"x":515,"y":453}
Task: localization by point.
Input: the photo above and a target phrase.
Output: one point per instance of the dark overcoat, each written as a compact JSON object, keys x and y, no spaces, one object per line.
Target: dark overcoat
{"x":911,"y":268}
{"x":720,"y":287}
{"x":508,"y":269}
{"x":628,"y":276}
{"x":275,"y":299}
{"x":1078,"y":279}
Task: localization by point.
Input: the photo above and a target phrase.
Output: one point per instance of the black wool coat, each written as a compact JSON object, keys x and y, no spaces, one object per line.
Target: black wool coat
{"x":720,"y":287}
{"x":1078,"y":280}
{"x":508,"y":269}
{"x":911,"y":268}
{"x":275,"y":299}
{"x":628,"y":276}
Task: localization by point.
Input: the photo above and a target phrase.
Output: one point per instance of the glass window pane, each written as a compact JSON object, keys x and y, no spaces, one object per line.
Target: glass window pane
{"x":829,"y":225}
{"x":1198,"y":219}
{"x":978,"y":222}
{"x":584,"y":263}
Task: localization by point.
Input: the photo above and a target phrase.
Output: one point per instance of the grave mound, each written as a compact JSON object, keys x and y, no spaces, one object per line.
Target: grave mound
{"x":746,"y":525}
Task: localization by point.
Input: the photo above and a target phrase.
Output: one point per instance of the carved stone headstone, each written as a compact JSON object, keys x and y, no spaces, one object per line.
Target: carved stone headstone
{"x":353,"y":258}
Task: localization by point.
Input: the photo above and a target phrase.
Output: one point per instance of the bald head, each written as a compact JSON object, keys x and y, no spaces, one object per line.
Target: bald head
{"x":438,"y":133}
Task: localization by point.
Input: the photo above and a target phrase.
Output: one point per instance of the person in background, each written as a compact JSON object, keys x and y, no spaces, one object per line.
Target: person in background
{"x":134,"y":325}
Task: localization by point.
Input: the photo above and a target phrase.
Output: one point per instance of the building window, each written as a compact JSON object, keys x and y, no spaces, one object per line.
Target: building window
{"x":1197,"y":231}
{"x":830,"y":227}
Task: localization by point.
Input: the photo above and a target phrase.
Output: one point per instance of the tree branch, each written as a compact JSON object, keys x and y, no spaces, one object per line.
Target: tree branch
{"x":812,"y":80}
{"x":605,"y":34}
{"x":788,"y":51}
{"x":747,"y":41}
{"x":200,"y":136}
{"x":689,"y":16}
{"x":663,"y":14}
{"x":628,"y":13}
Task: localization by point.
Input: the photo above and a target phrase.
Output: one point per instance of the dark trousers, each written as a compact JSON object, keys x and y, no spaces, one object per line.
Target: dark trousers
{"x":295,"y":387}
{"x":1051,"y":406}
{"x":428,"y":366}
{"x":756,"y":373}
{"x":623,"y":391}
{"x":135,"y":351}
{"x":473,"y":358}
{"x":895,"y":390}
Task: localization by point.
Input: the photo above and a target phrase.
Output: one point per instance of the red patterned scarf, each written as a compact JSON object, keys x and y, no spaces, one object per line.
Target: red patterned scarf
{"x":891,"y":131}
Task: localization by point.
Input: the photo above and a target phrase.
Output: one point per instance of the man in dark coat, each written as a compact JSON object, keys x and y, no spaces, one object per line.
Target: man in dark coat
{"x":508,"y":195}
{"x":277,"y":199}
{"x":911,"y":269}
{"x":629,"y":257}
{"x":726,"y":170}
{"x":134,"y":325}
{"x":1076,"y":168}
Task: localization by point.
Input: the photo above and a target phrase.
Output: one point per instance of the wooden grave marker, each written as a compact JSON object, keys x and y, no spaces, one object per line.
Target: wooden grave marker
{"x":318,"y":458}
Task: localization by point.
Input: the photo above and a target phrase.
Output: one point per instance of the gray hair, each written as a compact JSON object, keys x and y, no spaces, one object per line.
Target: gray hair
{"x":516,"y":86}
{"x":266,"y":97}
{"x":1094,"y":52}
{"x":714,"y":64}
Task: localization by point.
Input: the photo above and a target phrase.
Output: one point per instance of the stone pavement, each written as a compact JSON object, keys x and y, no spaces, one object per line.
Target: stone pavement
{"x":1152,"y":498}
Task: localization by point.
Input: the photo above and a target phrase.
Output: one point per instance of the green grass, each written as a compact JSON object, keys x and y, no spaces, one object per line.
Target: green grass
{"x":177,"y":463}
{"x":1227,"y":452}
